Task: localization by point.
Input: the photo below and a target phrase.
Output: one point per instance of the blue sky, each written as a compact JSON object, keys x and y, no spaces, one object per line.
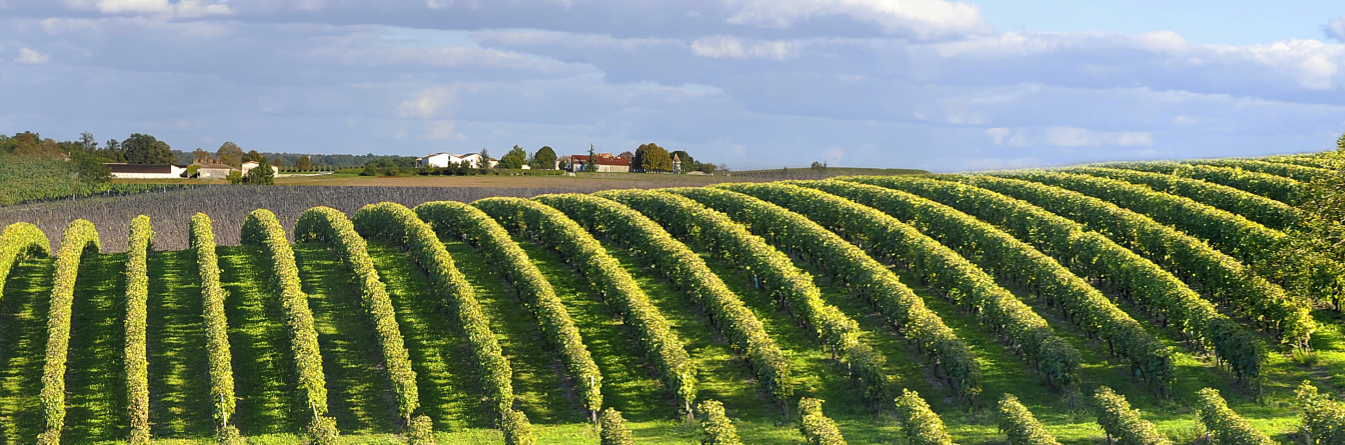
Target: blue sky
{"x":932,"y":84}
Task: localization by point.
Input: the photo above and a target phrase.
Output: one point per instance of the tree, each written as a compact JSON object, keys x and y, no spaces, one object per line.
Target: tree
{"x":87,"y":142}
{"x":28,"y":144}
{"x":234,"y":177}
{"x":91,"y":168}
{"x":592,"y":164}
{"x":545,"y":158}
{"x":688,"y":164}
{"x":709,"y":168}
{"x":369,"y":170}
{"x":200,"y":155}
{"x":515,"y":158}
{"x":261,"y":174}
{"x":145,"y":149}
{"x":303,"y":164}
{"x":253,"y":156}
{"x":483,"y":162}
{"x":627,"y":155}
{"x":652,"y":158}
{"x":230,"y":154}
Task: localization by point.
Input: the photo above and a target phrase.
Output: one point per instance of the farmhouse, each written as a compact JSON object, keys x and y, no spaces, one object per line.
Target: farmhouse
{"x":249,"y":165}
{"x":443,"y":159}
{"x":212,"y":170}
{"x":123,"y":170}
{"x":605,"y":163}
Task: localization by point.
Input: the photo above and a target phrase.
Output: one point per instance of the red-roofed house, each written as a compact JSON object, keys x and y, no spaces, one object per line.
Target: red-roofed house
{"x":605,"y":163}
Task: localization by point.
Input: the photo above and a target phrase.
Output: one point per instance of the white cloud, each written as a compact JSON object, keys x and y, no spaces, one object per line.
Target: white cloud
{"x":1065,"y":136}
{"x":1336,"y":28}
{"x":440,"y":130}
{"x":921,"y":18}
{"x":723,"y":46}
{"x":161,"y":8}
{"x":30,"y":57}
{"x":426,"y":103}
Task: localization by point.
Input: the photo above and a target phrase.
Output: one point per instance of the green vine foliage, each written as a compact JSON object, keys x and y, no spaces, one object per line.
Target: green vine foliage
{"x":817,"y":429}
{"x":1227,"y":280}
{"x":18,"y":242}
{"x":1122,"y":423}
{"x":1022,"y":428}
{"x":918,"y":422}
{"x":1269,"y":212}
{"x":398,"y":224}
{"x":1001,"y":254}
{"x":262,"y":228}
{"x":478,"y":229}
{"x":959,"y":280}
{"x":79,"y":237}
{"x":220,"y":358}
{"x":554,"y":229}
{"x":1323,"y":418}
{"x":517,"y":429}
{"x":774,"y":271}
{"x":1226,"y":426}
{"x":716,"y":429}
{"x":137,"y":363}
{"x":688,"y":271}
{"x":330,"y":226}
{"x":797,"y":234}
{"x":420,"y":431}
{"x":1278,"y":188}
{"x":613,"y":428}
{"x":1300,"y":173}
{"x":1093,"y":255}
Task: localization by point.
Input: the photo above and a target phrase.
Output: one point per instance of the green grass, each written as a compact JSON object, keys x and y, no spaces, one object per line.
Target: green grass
{"x":263,"y":366}
{"x":96,"y":378}
{"x":449,"y":392}
{"x":23,"y":342}
{"x":179,"y":380}
{"x":359,"y":394}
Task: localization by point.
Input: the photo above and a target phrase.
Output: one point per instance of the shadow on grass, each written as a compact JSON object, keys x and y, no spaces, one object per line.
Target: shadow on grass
{"x":23,"y":343}
{"x":179,"y":379}
{"x":96,"y":373}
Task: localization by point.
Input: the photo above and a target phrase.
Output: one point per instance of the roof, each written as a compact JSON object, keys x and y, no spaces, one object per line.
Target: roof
{"x":675,"y":158}
{"x":140,"y":168}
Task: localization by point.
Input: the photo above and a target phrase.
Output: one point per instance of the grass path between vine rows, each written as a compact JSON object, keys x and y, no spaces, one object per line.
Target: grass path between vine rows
{"x":179,"y":379}
{"x":23,"y":343}
{"x":96,"y":375}
{"x":358,"y":391}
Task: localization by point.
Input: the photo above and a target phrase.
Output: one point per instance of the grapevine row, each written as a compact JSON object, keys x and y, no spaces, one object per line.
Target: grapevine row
{"x":689,"y":272}
{"x":817,"y":429}
{"x":1269,"y":212}
{"x":1312,"y":160}
{"x":791,"y":231}
{"x":261,"y":228}
{"x":1124,"y":424}
{"x":1090,"y":254}
{"x":554,"y":229}
{"x":958,"y":279}
{"x":918,"y":422}
{"x":1227,"y":279}
{"x":1230,"y":233}
{"x":20,"y":241}
{"x":1323,"y":418}
{"x":1296,"y":172}
{"x":213,"y":295}
{"x":137,"y":364}
{"x":80,"y":236}
{"x":773,"y":270}
{"x":1278,"y":188}
{"x":458,"y":219}
{"x":398,"y":224}
{"x":1226,"y":426}
{"x":1006,"y":256}
{"x":1020,"y":425}
{"x":330,"y":226}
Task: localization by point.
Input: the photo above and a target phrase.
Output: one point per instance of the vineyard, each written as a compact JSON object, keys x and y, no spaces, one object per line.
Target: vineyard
{"x":1139,"y":302}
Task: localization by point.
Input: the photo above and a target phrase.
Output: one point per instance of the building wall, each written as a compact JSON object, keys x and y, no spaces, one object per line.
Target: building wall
{"x":214,"y":173}
{"x":146,"y":175}
{"x":614,"y":168}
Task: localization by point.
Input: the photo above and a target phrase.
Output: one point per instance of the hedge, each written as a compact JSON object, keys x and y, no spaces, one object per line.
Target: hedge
{"x":921,"y":425}
{"x":773,"y":271}
{"x":1323,"y":418}
{"x":1003,"y":255}
{"x":1278,"y":188}
{"x":1022,"y":428}
{"x":219,"y":357}
{"x":817,"y":429}
{"x":262,"y":228}
{"x":688,"y":271}
{"x":398,"y":224}
{"x":716,"y":429}
{"x":1122,"y":423}
{"x":1226,"y":426}
{"x":553,"y":228}
{"x":1093,"y":255}
{"x":137,"y":365}
{"x":1300,"y":173}
{"x":330,"y":226}
{"x":1269,"y":212}
{"x":960,"y":281}
{"x":793,"y":232}
{"x":79,"y":236}
{"x":613,"y":428}
{"x":488,"y":237}
{"x":18,"y":242}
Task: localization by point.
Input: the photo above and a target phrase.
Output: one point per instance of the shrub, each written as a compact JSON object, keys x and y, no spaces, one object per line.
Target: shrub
{"x":1122,"y":423}
{"x":1227,"y":427}
{"x":517,"y":429}
{"x":817,"y":429}
{"x":420,"y":431}
{"x":614,"y":431}
{"x":716,"y":429}
{"x":219,"y":357}
{"x":1323,"y":418}
{"x":921,"y":425}
{"x":1020,"y":425}
{"x":137,"y":364}
{"x":79,"y":236}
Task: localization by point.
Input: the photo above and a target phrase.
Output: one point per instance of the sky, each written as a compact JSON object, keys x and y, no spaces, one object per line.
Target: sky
{"x":931,"y":84}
